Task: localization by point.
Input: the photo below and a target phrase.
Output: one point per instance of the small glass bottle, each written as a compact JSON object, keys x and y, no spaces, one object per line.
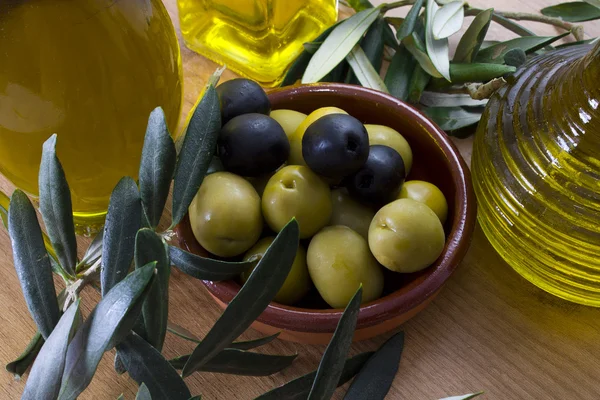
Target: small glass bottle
{"x":536,"y":170}
{"x":255,"y":38}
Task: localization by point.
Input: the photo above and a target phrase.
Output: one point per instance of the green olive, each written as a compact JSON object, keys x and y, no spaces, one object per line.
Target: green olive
{"x":350,"y":213}
{"x":296,"y":138}
{"x":296,"y":191}
{"x":386,"y":136}
{"x":296,"y":284}
{"x":225,"y":214}
{"x":428,"y":194}
{"x":406,"y":236}
{"x":288,"y":119}
{"x":339,"y":260}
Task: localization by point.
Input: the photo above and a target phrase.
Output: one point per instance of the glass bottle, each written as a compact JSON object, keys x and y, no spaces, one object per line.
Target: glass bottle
{"x":90,"y":71}
{"x":536,"y":169}
{"x":255,"y":38}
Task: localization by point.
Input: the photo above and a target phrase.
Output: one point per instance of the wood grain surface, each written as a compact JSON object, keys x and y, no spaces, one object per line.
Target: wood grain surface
{"x":488,"y":330}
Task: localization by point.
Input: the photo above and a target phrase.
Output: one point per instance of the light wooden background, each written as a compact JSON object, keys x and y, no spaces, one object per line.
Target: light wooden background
{"x":488,"y":330}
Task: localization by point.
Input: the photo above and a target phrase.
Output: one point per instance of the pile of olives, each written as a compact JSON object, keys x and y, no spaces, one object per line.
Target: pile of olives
{"x":343,"y":181}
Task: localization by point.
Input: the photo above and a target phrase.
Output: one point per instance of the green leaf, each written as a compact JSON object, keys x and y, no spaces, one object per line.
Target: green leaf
{"x":408,"y":27}
{"x":56,"y":208}
{"x":256,"y":294}
{"x":364,"y":71}
{"x":121,"y":397}
{"x":378,"y":373}
{"x":149,"y":247}
{"x":448,"y":20}
{"x":359,"y":5}
{"x":578,"y":42}
{"x":437,"y":49}
{"x":204,"y":268}
{"x":451,"y":118}
{"x":94,"y":251}
{"x":332,"y":363}
{"x":496,"y":53}
{"x":46,"y":374}
{"x":111,"y":317}
{"x":418,"y":82}
{"x":389,"y":38}
{"x":338,"y":44}
{"x":463,"y":397}
{"x":574,"y":11}
{"x":416,"y":47}
{"x":372,"y":46}
{"x":4,"y":205}
{"x":297,"y":68}
{"x":239,"y":362}
{"x":146,"y":365}
{"x":396,"y":22}
{"x":471,"y":41}
{"x":143,"y":393}
{"x":478,"y":72}
{"x":123,"y":220}
{"x":440,"y":99}
{"x":399,"y":73}
{"x":595,"y":3}
{"x":19,"y":366}
{"x":196,"y":153}
{"x":156,"y":167}
{"x":244,"y":345}
{"x":299,"y":388}
{"x":312,"y":47}
{"x":32,"y":263}
{"x":511,"y":25}
{"x":515,"y":58}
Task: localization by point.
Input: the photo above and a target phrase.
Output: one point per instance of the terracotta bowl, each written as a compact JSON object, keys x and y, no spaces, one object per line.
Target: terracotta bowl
{"x":435,"y":160}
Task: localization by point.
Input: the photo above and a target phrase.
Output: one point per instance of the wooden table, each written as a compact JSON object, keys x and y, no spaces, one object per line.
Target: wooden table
{"x":489,"y":329}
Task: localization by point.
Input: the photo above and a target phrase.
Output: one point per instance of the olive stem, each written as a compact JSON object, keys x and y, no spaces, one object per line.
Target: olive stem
{"x":90,"y":275}
{"x":396,"y":4}
{"x":481,"y":91}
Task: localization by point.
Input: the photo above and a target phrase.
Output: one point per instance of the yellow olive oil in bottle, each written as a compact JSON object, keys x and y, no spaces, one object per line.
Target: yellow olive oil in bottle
{"x":90,"y":71}
{"x":255,"y":38}
{"x":536,"y":172}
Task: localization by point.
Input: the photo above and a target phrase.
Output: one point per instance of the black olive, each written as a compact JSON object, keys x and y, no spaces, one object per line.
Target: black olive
{"x":335,"y":146}
{"x":380,"y":179}
{"x":252,"y":145}
{"x":242,"y":96}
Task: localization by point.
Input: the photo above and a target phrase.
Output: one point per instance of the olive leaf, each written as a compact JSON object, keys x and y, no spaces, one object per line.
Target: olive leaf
{"x":4,"y":216}
{"x":389,"y":38}
{"x":111,"y":316}
{"x":46,"y":374}
{"x":575,"y":43}
{"x":32,"y":263}
{"x":440,"y":99}
{"x":378,"y":373}
{"x":448,"y":20}
{"x":574,"y":11}
{"x":94,"y":251}
{"x":408,"y":26}
{"x":244,"y":345}
{"x":149,"y":247}
{"x":146,"y":365}
{"x":239,"y":362}
{"x":511,"y":25}
{"x":437,"y":49}
{"x":463,"y":397}
{"x":359,"y":5}
{"x":204,"y":268}
{"x":56,"y":207}
{"x":399,"y":73}
{"x":496,"y":53}
{"x":199,"y":146}
{"x":332,"y":363}
{"x":471,"y":41}
{"x":338,"y":44}
{"x":372,"y":45}
{"x":22,"y":363}
{"x":312,"y":47}
{"x":418,"y":81}
{"x":299,"y":388}
{"x":256,"y":294}
{"x":297,"y":68}
{"x":595,"y":3}
{"x":143,"y":393}
{"x":396,"y":22}
{"x":451,"y":118}
{"x":156,"y":167}
{"x":478,"y":72}
{"x":515,"y":57}
{"x":364,"y":71}
{"x":415,"y":45}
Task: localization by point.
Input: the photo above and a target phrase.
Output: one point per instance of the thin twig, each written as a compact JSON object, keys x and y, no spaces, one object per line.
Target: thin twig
{"x":90,"y":275}
{"x":396,"y":4}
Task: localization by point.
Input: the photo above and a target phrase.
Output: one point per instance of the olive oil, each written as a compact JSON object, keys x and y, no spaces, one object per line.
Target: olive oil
{"x":536,"y":168}
{"x":255,"y":38}
{"x":90,"y":71}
